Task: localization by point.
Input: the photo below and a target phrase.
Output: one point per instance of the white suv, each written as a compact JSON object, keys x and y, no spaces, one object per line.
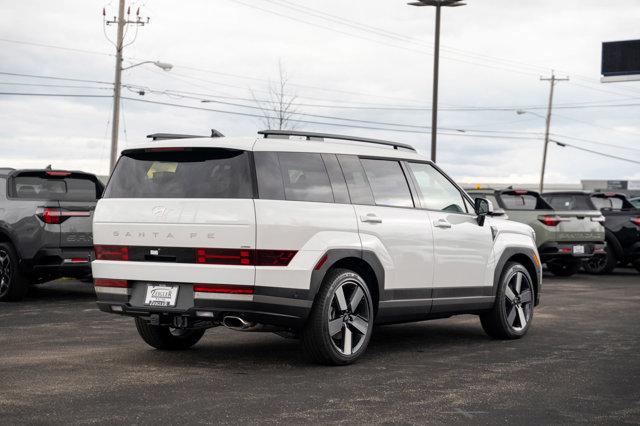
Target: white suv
{"x":303,"y":234}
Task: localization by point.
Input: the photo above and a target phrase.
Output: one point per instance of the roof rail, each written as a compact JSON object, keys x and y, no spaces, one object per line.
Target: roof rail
{"x":322,"y":136}
{"x":165,"y":136}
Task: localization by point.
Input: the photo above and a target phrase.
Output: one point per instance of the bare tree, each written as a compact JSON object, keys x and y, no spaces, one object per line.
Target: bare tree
{"x":279,"y":108}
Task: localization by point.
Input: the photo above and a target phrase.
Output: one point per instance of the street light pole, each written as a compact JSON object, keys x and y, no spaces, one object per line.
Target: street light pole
{"x":436,"y":65}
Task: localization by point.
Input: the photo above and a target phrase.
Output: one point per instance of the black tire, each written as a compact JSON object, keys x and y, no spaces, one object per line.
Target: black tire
{"x":165,"y":338}
{"x":601,"y":264}
{"x":499,"y":323}
{"x":636,"y":264}
{"x":13,"y":285}
{"x":337,"y":336}
{"x":565,"y":268}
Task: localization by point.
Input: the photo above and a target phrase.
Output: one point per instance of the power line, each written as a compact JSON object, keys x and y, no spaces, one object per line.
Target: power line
{"x":6,"y":83}
{"x":55,"y":95}
{"x":596,"y":142}
{"x":55,"y":78}
{"x":564,"y":144}
{"x":52,"y":46}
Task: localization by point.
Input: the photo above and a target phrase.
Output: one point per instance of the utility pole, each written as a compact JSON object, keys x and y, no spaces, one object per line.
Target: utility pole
{"x":552,"y":80}
{"x":439,"y":4}
{"x":120,"y":21}
{"x":434,"y":98}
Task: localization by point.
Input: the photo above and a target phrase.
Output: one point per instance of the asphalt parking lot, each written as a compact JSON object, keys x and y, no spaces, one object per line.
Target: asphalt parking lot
{"x":61,"y":360}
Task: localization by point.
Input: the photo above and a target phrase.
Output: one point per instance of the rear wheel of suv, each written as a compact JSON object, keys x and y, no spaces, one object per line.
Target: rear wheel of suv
{"x":564,"y":268}
{"x":13,"y":286}
{"x":340,"y":324}
{"x":166,"y":338}
{"x":512,"y":312}
{"x":602,"y":263}
{"x":636,"y":264}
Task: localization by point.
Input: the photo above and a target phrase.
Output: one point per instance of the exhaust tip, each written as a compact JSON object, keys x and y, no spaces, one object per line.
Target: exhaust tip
{"x":236,"y":323}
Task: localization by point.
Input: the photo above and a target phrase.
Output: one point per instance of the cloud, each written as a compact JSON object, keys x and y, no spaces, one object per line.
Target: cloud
{"x":235,"y":40}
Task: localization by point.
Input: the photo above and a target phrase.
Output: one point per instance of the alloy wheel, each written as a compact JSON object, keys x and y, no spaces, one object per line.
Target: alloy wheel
{"x":518,"y":301}
{"x":5,"y":271}
{"x":349,"y":316}
{"x":597,"y":263}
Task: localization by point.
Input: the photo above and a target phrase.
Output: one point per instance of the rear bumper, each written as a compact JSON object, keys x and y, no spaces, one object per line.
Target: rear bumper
{"x":281,"y":307}
{"x":60,"y":262}
{"x":555,"y":250}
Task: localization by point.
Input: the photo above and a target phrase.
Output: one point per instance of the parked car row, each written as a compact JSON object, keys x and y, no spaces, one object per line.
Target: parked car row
{"x":596,"y":231}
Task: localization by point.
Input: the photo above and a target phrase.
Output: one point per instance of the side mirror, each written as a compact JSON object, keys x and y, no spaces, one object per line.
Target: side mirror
{"x":483,"y":208}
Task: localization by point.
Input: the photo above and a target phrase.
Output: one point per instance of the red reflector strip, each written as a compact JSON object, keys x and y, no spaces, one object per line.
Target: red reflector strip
{"x":566,"y":250}
{"x":223,"y":288}
{"x":321,"y":262}
{"x":636,"y":221}
{"x":58,"y":173}
{"x":99,"y":282}
{"x":112,"y":252}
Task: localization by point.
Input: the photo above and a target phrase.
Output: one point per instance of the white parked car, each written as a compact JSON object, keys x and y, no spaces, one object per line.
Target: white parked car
{"x":303,"y":234}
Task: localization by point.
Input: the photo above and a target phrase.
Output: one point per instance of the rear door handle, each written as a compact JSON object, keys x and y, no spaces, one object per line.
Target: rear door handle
{"x":370,"y":218}
{"x":442,"y":223}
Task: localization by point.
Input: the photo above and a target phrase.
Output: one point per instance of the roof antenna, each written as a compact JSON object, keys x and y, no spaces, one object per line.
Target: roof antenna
{"x":48,"y":167}
{"x":216,"y":134}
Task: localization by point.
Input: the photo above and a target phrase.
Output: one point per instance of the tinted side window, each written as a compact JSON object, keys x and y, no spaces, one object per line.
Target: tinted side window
{"x":305,"y":177}
{"x":388,"y":183}
{"x":338,"y":184}
{"x":357,"y":183}
{"x":519,"y":202}
{"x":270,"y":185}
{"x":436,"y":192}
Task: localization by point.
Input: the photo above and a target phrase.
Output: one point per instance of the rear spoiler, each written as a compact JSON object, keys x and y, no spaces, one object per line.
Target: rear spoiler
{"x":168,"y":136}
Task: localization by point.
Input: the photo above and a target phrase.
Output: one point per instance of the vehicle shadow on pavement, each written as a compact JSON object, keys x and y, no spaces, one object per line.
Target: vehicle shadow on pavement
{"x":231,"y":349}
{"x":61,"y":290}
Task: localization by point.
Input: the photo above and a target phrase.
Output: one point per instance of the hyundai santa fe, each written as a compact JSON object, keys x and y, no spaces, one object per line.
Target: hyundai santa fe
{"x":311,"y":236}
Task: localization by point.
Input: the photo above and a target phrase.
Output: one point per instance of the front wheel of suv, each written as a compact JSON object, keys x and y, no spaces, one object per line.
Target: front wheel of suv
{"x":166,"y":338}
{"x":341,"y":321}
{"x":512,"y":312}
{"x":13,"y":286}
{"x":564,"y":268}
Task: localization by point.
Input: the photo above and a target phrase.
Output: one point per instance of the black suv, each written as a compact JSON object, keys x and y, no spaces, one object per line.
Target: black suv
{"x":622,"y":226}
{"x":45,"y":227}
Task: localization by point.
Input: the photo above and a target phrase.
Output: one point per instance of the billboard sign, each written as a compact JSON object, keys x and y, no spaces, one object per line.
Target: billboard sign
{"x":620,"y":61}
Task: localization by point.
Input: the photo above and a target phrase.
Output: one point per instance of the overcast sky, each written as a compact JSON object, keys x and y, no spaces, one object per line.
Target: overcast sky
{"x":373,"y":53}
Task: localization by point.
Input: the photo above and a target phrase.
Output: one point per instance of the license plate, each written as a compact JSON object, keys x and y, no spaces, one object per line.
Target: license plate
{"x":161,"y":295}
{"x":578,"y":249}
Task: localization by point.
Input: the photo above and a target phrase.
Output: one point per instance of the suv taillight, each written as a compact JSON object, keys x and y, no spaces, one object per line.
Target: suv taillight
{"x":54,"y":215}
{"x":112,"y":252}
{"x":224,"y":256}
{"x":215,"y":256}
{"x":636,"y":220}
{"x":550,"y":220}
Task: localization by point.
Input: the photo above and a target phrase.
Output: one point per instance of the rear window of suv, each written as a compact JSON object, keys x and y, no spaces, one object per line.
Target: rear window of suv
{"x":182,"y":173}
{"x":36,"y":185}
{"x":570,"y":202}
{"x":524,"y":201}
